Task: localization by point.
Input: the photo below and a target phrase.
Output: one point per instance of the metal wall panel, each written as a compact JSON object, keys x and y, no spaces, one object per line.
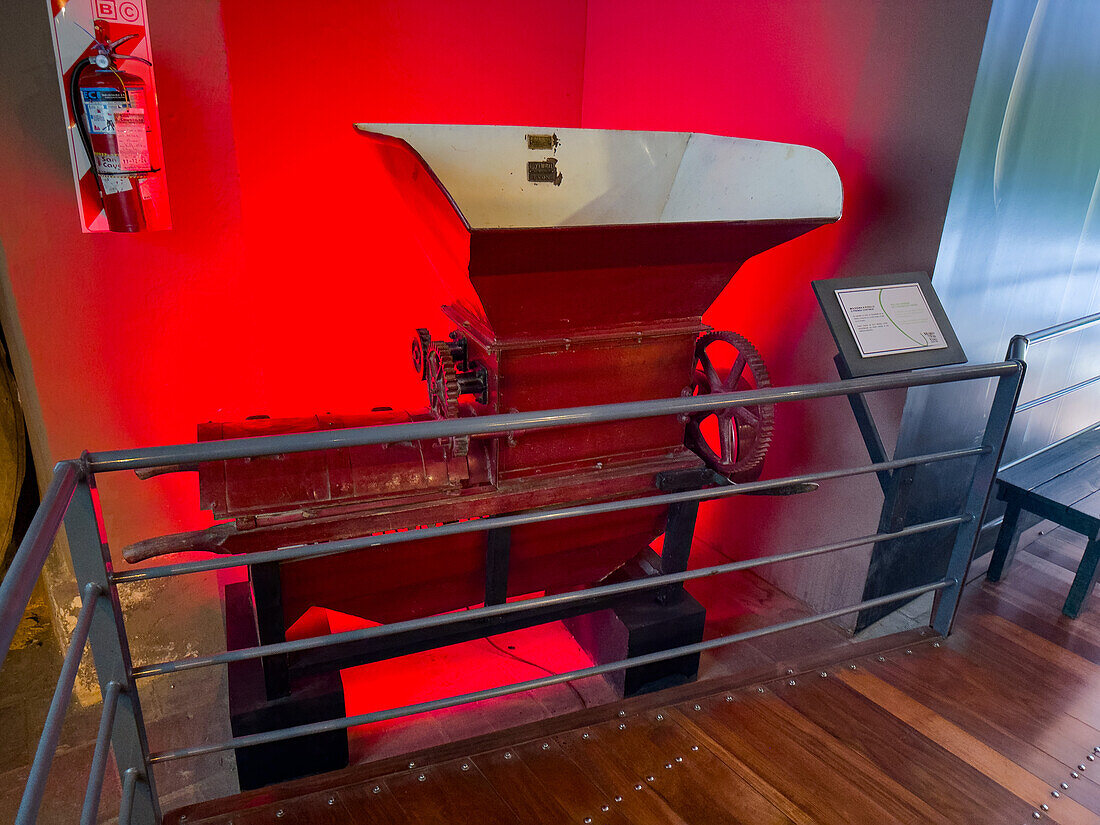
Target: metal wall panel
{"x":1020,"y":249}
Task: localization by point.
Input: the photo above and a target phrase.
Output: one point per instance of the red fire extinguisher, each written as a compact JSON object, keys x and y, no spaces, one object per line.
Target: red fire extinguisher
{"x":112,"y":118}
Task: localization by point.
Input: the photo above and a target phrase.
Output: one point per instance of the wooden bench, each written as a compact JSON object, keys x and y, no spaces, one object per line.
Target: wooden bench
{"x":1062,"y":484}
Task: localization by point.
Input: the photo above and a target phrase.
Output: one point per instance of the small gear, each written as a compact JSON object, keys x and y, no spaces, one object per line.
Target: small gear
{"x":420,"y":343}
{"x":442,"y":381}
{"x":443,"y":390}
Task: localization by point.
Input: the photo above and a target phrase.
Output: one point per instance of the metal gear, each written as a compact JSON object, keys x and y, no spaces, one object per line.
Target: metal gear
{"x":443,"y":390}
{"x":744,"y":433}
{"x":442,"y":381}
{"x":420,"y":343}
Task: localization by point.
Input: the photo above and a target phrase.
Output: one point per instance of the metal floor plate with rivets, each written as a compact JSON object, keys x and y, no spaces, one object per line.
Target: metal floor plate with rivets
{"x":1000,"y":723}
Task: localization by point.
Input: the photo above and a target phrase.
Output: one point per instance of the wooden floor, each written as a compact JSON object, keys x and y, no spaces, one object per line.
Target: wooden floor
{"x":984,"y":727}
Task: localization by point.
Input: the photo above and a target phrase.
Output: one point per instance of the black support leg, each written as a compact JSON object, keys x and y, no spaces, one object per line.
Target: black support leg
{"x":498,"y":544}
{"x":679,"y":532}
{"x":1006,"y":541}
{"x":1083,"y":581}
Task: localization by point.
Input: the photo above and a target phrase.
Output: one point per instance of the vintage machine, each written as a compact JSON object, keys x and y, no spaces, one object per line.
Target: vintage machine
{"x":580,"y":263}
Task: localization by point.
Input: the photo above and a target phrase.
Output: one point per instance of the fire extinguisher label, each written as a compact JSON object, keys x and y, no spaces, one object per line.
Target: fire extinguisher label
{"x":100,"y":106}
{"x":133,"y":148}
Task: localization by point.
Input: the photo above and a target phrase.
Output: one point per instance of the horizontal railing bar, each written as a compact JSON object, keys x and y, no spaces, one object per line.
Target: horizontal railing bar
{"x":1061,"y":329}
{"x":1043,"y":399}
{"x":1050,"y":446}
{"x":556,"y":600}
{"x":51,"y":730}
{"x":90,"y":812}
{"x":329,"y":548}
{"x":545,"y":681}
{"x":126,"y":805}
{"x":189,"y":454}
{"x":22,"y":574}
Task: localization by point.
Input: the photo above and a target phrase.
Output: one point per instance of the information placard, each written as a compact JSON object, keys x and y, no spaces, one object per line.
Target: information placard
{"x":888,"y":323}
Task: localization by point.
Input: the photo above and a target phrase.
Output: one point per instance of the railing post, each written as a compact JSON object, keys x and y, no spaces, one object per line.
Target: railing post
{"x":977,"y":499}
{"x":110,"y":649}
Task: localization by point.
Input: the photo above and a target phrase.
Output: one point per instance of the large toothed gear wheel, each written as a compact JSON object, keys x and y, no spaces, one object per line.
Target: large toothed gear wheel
{"x":743,"y":433}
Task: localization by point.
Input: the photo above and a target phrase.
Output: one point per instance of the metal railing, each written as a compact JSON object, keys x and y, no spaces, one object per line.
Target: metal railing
{"x":1018,"y":348}
{"x":71,"y":499}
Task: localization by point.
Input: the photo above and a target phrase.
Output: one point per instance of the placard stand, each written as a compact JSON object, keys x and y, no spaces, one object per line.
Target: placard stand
{"x":871,"y":318}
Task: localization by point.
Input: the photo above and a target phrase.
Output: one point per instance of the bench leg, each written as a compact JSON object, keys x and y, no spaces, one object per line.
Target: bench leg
{"x":1083,"y":581}
{"x":1006,"y":543}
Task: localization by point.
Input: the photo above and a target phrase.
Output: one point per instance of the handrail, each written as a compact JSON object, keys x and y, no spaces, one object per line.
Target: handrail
{"x":71,"y":496}
{"x":545,"y":681}
{"x":51,"y":730}
{"x":1048,"y":333}
{"x":337,"y":546}
{"x":19,"y":581}
{"x":188,"y":454}
{"x":573,"y":597}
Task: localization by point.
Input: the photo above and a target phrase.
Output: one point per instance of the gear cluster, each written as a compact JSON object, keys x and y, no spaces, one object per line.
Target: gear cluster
{"x":446,"y":367}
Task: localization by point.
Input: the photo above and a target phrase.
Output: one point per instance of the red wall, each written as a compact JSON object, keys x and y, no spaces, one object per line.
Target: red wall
{"x":285,"y":287}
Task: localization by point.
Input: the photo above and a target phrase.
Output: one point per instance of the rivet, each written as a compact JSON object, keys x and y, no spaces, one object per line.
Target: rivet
{"x":679,"y":759}
{"x":908,"y":653}
{"x":412,"y":765}
{"x":697,"y":707}
{"x":824,"y":674}
{"x":649,"y":779}
{"x":1080,"y":767}
{"x":790,"y":671}
{"x":760,"y":690}
{"x":587,"y":820}
{"x":280,"y":813}
{"x":792,"y":683}
{"x":1055,"y":794}
{"x":1064,"y":786}
{"x":637,"y":787}
{"x":729,"y":698}
{"x":605,"y":808}
{"x":376,"y":789}
{"x":508,"y":755}
{"x":695,"y":747}
{"x":1045,"y":806}
{"x":1036,"y":815}
{"x":584,"y":736}
{"x":668,"y":765}
{"x":1096,"y":749}
{"x":466,"y":765}
{"x":935,"y":644}
{"x":851,"y":667}
{"x":1091,"y":758}
{"x":622,"y":725}
{"x":332,"y":800}
{"x":660,"y":717}
{"x":546,"y":746}
{"x":421,"y":778}
{"x":622,"y":713}
{"x":882,"y":658}
{"x":1075,"y":775}
{"x":618,"y":799}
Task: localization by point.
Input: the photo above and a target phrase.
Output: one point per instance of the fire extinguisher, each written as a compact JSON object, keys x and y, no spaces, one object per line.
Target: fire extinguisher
{"x":111,"y":117}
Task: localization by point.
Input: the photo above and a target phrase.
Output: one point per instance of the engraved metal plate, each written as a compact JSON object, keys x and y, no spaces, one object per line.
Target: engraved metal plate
{"x":545,"y":143}
{"x":544,"y":171}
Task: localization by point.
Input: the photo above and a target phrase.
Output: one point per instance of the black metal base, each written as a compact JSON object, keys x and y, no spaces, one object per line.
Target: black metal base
{"x":641,"y":624}
{"x":312,"y":698}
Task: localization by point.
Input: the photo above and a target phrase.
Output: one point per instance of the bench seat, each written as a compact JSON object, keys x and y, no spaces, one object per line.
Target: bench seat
{"x":1061,"y":484}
